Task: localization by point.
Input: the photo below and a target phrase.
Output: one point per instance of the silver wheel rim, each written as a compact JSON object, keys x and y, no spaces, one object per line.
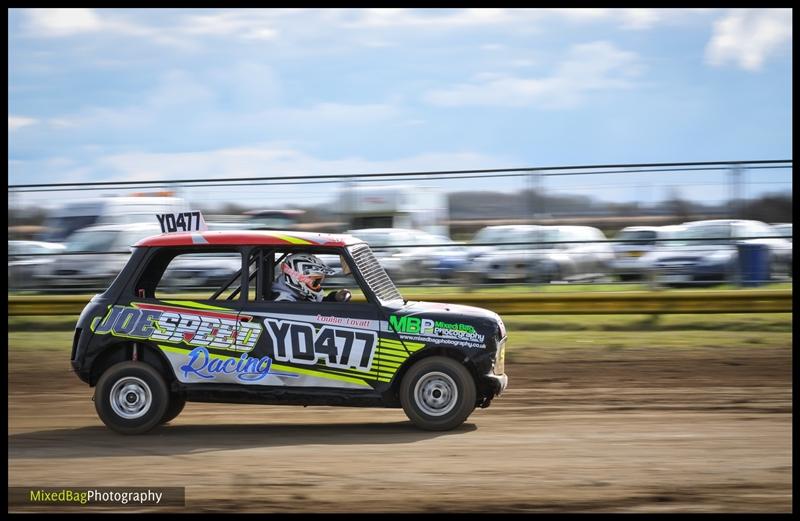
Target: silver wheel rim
{"x":436,"y":394}
{"x":131,"y":397}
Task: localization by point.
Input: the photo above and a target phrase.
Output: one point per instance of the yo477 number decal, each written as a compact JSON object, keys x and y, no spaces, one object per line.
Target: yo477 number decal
{"x":339,"y":347}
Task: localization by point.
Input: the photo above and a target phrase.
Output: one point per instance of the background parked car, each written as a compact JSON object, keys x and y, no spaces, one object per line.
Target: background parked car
{"x":273,"y":219}
{"x":501,"y":234}
{"x":630,"y":255}
{"x":202,"y":270}
{"x":710,"y":252}
{"x":141,"y":208}
{"x":400,"y":263}
{"x":410,"y":255}
{"x":28,"y":260}
{"x":784,"y":230}
{"x":94,"y":256}
{"x":553,"y":257}
{"x":444,"y":261}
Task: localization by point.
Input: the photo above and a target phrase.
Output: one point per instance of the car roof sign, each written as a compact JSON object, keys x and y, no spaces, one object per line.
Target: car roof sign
{"x":181,"y":222}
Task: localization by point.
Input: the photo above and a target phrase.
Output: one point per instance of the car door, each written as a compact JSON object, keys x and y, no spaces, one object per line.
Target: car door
{"x":578,"y":251}
{"x":198,"y":330}
{"x":310,"y":344}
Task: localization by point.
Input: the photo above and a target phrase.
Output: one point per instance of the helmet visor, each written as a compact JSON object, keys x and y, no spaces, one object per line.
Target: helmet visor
{"x":314,"y":281}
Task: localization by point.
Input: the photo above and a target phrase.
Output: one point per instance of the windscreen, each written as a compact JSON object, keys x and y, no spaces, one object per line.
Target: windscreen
{"x":379,"y":239}
{"x":702,"y":234}
{"x":92,"y":241}
{"x":374,"y":274}
{"x":59,"y":228}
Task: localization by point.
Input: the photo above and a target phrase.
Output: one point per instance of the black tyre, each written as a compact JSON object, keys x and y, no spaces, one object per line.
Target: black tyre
{"x":176,"y":405}
{"x":131,"y":397}
{"x":438,"y":393}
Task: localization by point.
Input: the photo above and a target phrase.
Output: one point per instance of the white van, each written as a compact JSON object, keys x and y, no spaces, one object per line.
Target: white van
{"x":108,"y":211}
{"x":415,"y":207}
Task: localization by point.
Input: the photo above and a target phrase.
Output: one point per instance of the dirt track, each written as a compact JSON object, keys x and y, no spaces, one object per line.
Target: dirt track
{"x":705,"y":430}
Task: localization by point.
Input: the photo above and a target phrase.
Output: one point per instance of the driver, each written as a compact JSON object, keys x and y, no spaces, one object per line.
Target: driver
{"x":300,"y":279}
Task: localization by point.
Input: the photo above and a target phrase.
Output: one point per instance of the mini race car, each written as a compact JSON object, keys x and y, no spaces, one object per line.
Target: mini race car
{"x":148,"y":351}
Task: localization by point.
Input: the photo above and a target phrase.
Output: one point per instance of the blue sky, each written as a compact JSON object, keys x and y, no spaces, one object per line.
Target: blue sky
{"x":134,"y":94}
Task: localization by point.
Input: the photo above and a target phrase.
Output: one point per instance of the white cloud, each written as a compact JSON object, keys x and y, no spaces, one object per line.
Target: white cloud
{"x":325,"y":114}
{"x":175,"y":89}
{"x":630,"y":18}
{"x":61,"y":123}
{"x":588,"y":67}
{"x":747,"y":37}
{"x":457,"y":18}
{"x":627,"y":18}
{"x":18,"y":122}
{"x":244,"y":24}
{"x":582,"y":14}
{"x":273,"y":158}
{"x":242,"y":99}
{"x":640,"y":18}
{"x":181,"y":31}
{"x":327,"y":29}
{"x":63,"y":22}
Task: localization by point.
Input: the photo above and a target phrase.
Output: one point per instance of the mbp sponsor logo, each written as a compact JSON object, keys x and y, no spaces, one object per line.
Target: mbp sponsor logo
{"x":201,"y":363}
{"x":339,"y":347}
{"x":435,"y":328}
{"x":209,"y":329}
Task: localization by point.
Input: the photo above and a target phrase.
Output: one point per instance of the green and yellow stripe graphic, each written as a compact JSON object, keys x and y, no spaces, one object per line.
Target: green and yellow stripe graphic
{"x":278,"y":367}
{"x":196,"y":305}
{"x":391,"y":355}
{"x":289,"y":238}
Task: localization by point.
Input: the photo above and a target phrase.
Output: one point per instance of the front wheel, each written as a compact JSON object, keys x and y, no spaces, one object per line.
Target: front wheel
{"x":131,"y":397}
{"x":176,"y":405}
{"x":438,"y":393}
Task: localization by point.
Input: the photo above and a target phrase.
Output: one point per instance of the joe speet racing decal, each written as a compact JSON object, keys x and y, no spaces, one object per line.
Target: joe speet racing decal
{"x":438,"y":331}
{"x":200,"y":365}
{"x":211,"y":329}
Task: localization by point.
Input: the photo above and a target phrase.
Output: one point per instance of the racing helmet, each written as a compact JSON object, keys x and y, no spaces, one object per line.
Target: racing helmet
{"x":303,"y":273}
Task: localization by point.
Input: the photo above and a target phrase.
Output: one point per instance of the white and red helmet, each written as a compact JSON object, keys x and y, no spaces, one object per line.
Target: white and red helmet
{"x":304,"y":274}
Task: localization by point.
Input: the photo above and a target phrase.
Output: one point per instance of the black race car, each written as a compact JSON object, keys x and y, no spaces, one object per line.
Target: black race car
{"x":148,"y":351}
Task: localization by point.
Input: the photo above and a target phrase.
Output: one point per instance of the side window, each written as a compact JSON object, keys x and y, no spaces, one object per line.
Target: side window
{"x":594,"y":234}
{"x":206,"y":275}
{"x":760,"y":230}
{"x":587,"y":234}
{"x":745,"y":230}
{"x":324,"y":274}
{"x":574,"y":235}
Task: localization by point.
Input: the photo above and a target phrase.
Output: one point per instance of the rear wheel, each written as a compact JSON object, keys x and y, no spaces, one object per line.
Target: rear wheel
{"x":438,"y":393}
{"x":131,"y":397}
